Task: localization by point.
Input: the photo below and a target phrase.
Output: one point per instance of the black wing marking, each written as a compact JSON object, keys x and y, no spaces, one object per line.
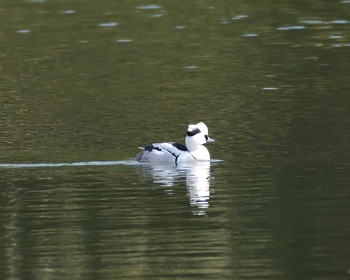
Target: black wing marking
{"x":172,"y":148}
{"x":151,"y":147}
{"x":180,"y":147}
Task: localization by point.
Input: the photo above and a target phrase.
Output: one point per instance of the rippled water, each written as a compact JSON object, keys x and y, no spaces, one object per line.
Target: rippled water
{"x":84,"y":83}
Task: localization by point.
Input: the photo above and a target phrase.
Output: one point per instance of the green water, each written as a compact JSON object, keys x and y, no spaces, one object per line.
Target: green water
{"x":90,"y":81}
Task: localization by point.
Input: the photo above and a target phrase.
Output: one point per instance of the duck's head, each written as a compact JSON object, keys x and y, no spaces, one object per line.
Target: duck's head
{"x":197,"y":134}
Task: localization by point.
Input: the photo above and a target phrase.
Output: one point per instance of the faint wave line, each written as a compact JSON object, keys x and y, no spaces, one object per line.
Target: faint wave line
{"x":63,"y":164}
{"x":81,"y":163}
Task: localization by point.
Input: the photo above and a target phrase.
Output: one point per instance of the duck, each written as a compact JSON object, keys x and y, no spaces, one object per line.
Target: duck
{"x":171,"y":152}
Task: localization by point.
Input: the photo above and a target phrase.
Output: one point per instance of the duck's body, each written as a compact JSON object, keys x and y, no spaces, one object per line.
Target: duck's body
{"x":170,"y":152}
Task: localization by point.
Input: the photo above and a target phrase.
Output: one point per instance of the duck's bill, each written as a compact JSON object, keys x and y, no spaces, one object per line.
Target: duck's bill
{"x":209,"y":140}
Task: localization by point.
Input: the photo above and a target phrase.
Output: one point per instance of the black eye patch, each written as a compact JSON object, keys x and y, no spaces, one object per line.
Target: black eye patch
{"x":193,"y":132}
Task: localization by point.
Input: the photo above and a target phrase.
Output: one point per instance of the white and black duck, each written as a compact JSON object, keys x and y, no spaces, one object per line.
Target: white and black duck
{"x":171,"y":152}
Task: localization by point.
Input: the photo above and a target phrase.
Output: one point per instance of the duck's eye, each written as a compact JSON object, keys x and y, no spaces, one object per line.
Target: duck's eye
{"x":206,"y":137}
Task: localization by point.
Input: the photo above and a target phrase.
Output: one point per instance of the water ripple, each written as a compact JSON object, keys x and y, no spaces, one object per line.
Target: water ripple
{"x":312,"y":21}
{"x":180,"y":26}
{"x":63,"y":164}
{"x":69,"y":12}
{"x":23,"y":31}
{"x":339,"y":21}
{"x":269,"y":88}
{"x":108,"y":24}
{"x":124,"y":40}
{"x":335,"y":37}
{"x":148,"y":7}
{"x":294,"y":27}
{"x":250,"y":35}
{"x":238,"y":17}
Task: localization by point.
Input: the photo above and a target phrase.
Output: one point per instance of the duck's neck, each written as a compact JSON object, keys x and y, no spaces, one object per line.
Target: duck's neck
{"x":198,"y":151}
{"x":191,"y":145}
{"x":201,"y":153}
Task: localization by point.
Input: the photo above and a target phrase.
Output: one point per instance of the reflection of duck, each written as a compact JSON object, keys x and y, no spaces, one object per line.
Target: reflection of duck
{"x":197,"y":135}
{"x":197,"y":175}
{"x":197,"y":182}
{"x":164,"y":175}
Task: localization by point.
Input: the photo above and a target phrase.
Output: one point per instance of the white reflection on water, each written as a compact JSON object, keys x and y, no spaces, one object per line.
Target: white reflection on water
{"x":124,"y":40}
{"x":269,"y":88}
{"x":312,"y":21}
{"x":180,"y":26}
{"x":23,"y":31}
{"x":294,"y":27}
{"x":238,"y":17}
{"x":198,"y":183}
{"x":69,"y":12}
{"x":195,"y":174}
{"x":108,"y":24}
{"x":335,"y":37}
{"x":340,"y":21}
{"x":250,"y":35}
{"x":148,"y":7}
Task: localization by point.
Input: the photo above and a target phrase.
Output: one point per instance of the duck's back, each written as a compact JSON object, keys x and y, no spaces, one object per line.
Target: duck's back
{"x":162,"y":152}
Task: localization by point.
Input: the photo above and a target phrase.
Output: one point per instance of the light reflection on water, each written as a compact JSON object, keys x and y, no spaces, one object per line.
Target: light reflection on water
{"x":104,"y":215}
{"x":195,"y":174}
{"x":148,"y":7}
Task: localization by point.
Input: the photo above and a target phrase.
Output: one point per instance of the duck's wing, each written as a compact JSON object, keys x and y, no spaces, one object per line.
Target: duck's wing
{"x":161,"y":152}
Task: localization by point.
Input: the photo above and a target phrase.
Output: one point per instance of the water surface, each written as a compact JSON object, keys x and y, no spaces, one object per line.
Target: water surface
{"x":85,"y":83}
